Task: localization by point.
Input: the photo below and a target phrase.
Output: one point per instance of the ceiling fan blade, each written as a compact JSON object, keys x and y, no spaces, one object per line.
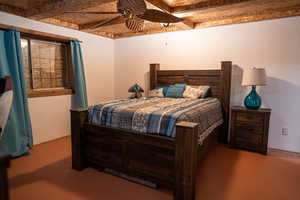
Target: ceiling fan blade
{"x":159,"y":16}
{"x":91,"y":12}
{"x":135,"y":24}
{"x":136,"y":7}
{"x":107,"y":21}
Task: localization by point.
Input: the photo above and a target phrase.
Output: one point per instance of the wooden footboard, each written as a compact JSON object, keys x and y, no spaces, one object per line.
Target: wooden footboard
{"x":165,"y":161}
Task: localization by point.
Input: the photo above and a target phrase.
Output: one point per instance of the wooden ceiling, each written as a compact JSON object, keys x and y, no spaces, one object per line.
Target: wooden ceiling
{"x":196,"y":13}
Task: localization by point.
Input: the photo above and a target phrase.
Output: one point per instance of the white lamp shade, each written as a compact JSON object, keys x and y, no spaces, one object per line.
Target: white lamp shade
{"x":254,"y":76}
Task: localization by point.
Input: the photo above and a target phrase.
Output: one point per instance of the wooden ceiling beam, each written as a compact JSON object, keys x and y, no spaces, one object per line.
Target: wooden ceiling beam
{"x":12,"y":9}
{"x":57,"y":8}
{"x":266,"y":15}
{"x":59,"y":22}
{"x":89,"y":26}
{"x":203,"y":5}
{"x":185,"y":24}
{"x":103,"y":34}
{"x":161,"y":5}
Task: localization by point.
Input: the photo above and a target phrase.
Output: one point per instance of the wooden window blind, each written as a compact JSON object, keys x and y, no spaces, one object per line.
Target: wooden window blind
{"x":47,"y":67}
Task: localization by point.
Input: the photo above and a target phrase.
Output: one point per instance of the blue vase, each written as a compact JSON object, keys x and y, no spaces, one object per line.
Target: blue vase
{"x":252,"y":100}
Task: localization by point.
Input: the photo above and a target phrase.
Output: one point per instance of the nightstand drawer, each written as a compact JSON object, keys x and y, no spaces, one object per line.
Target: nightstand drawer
{"x":249,"y":127}
{"x":248,"y":138}
{"x":250,"y":117}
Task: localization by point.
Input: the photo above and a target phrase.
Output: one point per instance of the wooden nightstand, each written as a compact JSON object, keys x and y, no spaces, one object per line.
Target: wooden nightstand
{"x":250,"y":129}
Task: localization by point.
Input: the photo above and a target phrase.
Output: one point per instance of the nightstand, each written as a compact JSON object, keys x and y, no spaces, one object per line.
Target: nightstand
{"x":250,"y":129}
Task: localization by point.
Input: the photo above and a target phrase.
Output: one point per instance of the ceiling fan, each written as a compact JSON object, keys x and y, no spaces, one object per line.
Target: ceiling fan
{"x":134,"y":12}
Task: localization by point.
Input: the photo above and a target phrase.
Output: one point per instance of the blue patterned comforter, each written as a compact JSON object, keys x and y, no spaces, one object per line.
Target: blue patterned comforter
{"x":156,"y":115}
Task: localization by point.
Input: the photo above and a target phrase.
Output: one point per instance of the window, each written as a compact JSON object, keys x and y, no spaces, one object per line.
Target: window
{"x":47,"y":67}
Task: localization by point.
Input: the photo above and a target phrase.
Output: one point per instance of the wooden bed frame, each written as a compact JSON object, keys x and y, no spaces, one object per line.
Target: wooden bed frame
{"x":169,"y":162}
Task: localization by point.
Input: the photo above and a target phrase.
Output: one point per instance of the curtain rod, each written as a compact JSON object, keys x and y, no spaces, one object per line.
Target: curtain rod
{"x":38,"y":33}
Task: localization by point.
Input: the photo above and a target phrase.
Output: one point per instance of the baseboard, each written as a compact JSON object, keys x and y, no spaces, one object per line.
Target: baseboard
{"x":283,"y":153}
{"x":53,"y":140}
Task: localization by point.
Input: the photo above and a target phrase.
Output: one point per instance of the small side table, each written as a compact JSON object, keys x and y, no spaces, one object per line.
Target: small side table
{"x":250,"y":129}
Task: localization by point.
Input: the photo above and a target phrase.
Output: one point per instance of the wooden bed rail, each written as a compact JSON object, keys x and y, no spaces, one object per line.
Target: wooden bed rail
{"x":78,"y":117}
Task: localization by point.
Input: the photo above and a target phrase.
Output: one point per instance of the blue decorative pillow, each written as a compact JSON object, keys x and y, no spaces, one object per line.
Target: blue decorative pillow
{"x":165,"y":89}
{"x":175,"y":91}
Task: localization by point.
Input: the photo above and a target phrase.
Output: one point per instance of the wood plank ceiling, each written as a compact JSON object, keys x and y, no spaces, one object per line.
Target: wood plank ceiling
{"x":196,"y":13}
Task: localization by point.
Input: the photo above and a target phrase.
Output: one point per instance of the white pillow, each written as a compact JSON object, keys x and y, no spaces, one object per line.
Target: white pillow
{"x":156,"y":93}
{"x":195,"y":92}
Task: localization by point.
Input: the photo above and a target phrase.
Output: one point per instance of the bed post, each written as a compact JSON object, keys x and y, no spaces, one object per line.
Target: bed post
{"x":226,"y":80}
{"x":186,"y":160}
{"x":78,"y":117}
{"x":153,"y":75}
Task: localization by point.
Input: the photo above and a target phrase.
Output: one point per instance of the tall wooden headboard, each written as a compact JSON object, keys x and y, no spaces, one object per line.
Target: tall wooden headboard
{"x":218,"y":80}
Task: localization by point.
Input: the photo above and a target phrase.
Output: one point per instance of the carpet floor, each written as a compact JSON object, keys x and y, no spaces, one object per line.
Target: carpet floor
{"x":225,"y":174}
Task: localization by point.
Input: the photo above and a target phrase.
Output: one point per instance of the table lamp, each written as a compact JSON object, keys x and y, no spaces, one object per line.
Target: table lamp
{"x":137,"y":90}
{"x":253,"y":77}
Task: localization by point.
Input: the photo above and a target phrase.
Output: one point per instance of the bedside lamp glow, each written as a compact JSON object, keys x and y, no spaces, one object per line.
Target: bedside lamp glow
{"x":254,"y":77}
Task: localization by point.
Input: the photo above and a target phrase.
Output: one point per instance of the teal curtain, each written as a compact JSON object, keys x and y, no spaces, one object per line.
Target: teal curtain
{"x":80,"y":97}
{"x":17,"y":138}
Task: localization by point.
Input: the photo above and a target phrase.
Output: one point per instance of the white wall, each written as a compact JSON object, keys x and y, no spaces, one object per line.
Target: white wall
{"x":112,"y":66}
{"x":274,"y":45}
{"x":50,"y":115}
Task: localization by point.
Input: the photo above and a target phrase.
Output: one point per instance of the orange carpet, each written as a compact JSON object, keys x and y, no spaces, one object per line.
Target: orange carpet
{"x":225,"y":174}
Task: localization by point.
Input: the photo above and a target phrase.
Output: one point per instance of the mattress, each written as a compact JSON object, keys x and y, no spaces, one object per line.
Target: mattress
{"x":158,"y":116}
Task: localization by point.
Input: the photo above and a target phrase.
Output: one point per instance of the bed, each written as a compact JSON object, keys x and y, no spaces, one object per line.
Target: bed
{"x":166,"y":156}
{"x":158,"y":116}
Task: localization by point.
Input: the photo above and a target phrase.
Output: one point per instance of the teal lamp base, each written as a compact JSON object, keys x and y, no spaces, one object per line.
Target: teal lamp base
{"x":252,"y":100}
